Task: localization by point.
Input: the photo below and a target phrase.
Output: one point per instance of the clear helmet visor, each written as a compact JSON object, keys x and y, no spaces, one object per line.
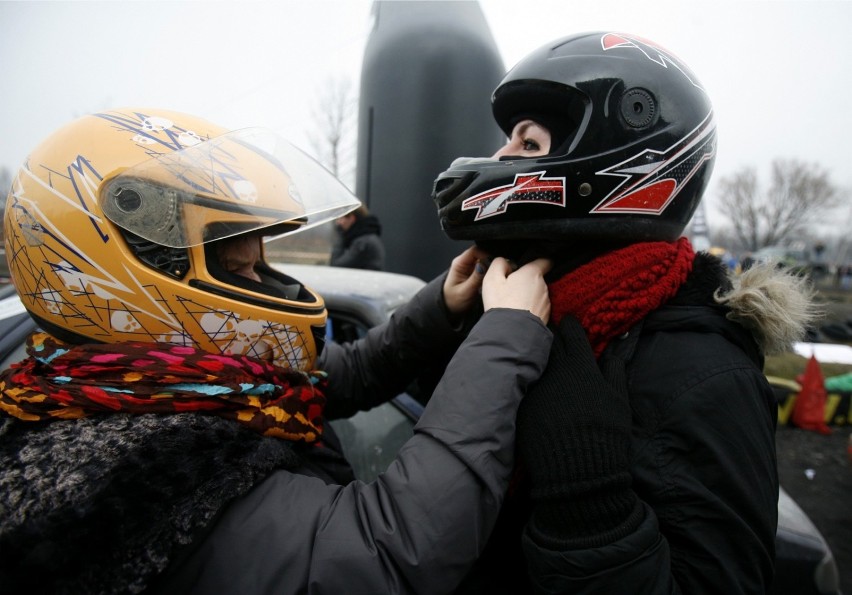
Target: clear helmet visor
{"x":242,"y":181}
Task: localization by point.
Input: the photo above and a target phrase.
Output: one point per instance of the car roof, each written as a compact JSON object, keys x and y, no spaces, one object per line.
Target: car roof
{"x":375,"y":294}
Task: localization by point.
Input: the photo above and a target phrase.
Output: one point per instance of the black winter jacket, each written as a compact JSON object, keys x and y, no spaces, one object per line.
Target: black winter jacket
{"x":702,"y":461}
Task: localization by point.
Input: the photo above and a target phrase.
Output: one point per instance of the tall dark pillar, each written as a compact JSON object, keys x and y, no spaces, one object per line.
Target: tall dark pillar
{"x":428,"y":72}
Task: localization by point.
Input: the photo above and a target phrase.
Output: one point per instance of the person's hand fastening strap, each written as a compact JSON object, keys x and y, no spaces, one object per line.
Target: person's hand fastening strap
{"x":574,"y":438}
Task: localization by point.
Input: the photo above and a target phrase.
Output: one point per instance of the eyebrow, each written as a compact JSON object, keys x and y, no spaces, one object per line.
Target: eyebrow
{"x":527,"y":124}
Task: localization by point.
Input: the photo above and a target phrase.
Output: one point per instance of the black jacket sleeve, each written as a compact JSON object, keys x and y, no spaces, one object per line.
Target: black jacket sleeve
{"x":420,"y":526}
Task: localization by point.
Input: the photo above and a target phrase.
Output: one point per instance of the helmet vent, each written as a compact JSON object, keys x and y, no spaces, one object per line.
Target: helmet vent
{"x":638,"y":108}
{"x":172,"y":261}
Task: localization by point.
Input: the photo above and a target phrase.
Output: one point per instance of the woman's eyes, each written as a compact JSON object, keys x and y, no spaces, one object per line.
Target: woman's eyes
{"x":530,"y":145}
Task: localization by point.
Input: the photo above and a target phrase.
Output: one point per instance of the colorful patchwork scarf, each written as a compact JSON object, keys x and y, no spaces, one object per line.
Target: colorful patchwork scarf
{"x":615,"y":291}
{"x":59,"y":381}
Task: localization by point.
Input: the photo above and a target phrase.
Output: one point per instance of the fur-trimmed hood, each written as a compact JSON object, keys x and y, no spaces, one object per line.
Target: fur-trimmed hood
{"x":775,"y":306}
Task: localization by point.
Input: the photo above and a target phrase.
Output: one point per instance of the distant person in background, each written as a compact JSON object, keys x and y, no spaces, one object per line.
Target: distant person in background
{"x":359,"y":245}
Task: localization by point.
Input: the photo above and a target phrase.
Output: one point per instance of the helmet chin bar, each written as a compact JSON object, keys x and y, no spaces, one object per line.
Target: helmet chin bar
{"x":60,"y":332}
{"x":606,"y":230}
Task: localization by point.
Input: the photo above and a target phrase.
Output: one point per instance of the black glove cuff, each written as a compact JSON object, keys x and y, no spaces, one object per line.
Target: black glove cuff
{"x":587,"y":523}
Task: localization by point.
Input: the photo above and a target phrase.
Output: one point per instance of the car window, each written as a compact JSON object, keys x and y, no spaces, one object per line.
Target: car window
{"x":343,"y":329}
{"x":371,"y":439}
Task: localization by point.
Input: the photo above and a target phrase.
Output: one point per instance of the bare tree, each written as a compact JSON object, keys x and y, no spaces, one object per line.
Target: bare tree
{"x":332,"y":139}
{"x":333,"y":135}
{"x":799,"y":193}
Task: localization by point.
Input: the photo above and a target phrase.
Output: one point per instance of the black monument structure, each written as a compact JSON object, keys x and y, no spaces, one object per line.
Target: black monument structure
{"x":428,"y":72}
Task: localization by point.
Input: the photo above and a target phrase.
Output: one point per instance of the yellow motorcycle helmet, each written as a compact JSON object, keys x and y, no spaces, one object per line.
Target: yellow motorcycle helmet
{"x":113,"y":224}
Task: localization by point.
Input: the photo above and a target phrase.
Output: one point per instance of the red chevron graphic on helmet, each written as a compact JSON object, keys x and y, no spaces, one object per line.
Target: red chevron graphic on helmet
{"x":652,"y":198}
{"x":651,"y":179}
{"x":526,"y":188}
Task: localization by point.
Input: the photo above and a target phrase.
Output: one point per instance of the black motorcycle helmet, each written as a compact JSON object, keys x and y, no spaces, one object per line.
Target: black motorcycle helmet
{"x":633,"y":146}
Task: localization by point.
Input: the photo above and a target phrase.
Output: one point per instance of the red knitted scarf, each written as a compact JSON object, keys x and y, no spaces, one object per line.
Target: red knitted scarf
{"x":615,"y":291}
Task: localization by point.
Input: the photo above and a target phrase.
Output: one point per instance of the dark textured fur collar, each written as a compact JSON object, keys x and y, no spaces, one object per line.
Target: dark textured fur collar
{"x":708,"y":275}
{"x":98,"y":505}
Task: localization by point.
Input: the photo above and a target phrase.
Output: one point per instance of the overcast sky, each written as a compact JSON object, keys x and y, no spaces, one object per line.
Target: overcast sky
{"x":779,"y":73}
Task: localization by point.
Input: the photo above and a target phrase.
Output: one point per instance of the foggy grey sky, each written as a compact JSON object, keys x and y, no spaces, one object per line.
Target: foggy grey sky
{"x":779,"y":73}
